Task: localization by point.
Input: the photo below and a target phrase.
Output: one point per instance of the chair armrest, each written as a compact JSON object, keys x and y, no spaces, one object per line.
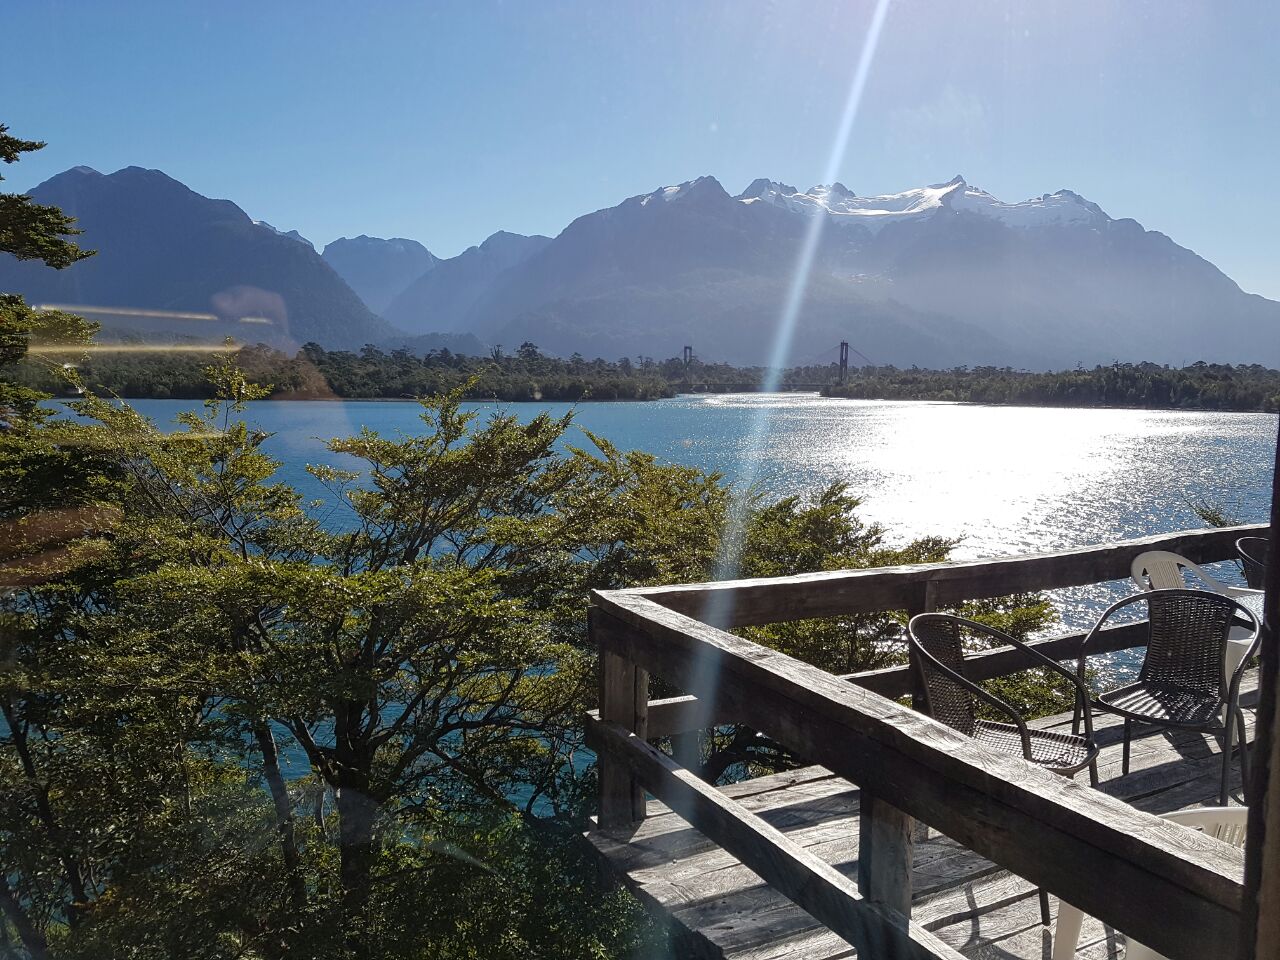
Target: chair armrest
{"x":1234,"y":592}
{"x":1249,"y":618}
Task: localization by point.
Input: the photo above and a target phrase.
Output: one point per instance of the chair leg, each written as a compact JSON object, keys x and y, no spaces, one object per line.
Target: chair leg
{"x":1044,"y":907}
{"x":1075,"y":720}
{"x":1093,"y":772}
{"x":1128,"y":732}
{"x":1227,"y":731}
{"x":1246,"y":767}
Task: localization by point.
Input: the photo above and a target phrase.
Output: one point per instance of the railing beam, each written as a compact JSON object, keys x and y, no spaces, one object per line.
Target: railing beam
{"x":741,"y":603}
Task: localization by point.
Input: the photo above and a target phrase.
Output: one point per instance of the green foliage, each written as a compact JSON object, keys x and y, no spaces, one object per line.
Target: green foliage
{"x":1200,"y":386}
{"x":31,"y":231}
{"x":314,"y":372}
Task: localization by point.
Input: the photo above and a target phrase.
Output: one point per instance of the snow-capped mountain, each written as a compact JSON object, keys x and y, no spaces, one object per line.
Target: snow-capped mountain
{"x":938,"y":275}
{"x":875,"y":212}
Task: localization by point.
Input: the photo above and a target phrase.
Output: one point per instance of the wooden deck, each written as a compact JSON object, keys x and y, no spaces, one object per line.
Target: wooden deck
{"x":720,"y":908}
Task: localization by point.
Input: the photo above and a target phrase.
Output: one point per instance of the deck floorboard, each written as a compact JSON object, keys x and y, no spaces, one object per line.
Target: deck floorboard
{"x":724,"y":910}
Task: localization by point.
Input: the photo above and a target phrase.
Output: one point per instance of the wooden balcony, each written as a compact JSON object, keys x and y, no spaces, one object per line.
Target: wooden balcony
{"x":908,"y":840}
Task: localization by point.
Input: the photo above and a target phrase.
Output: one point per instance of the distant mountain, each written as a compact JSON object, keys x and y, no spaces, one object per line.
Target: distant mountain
{"x":291,"y":234}
{"x":376,"y":269}
{"x":165,"y":251}
{"x":444,"y":297}
{"x":935,"y":276}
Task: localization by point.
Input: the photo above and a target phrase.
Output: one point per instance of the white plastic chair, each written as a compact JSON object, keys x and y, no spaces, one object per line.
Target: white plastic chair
{"x":1227,"y":824}
{"x":1162,"y":570}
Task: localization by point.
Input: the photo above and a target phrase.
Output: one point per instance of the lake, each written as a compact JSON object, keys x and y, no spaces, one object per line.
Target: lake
{"x":1002,"y":480}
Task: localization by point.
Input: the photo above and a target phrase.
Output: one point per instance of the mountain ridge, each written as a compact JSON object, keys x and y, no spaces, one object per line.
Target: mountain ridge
{"x":162,"y":247}
{"x":941,"y":275}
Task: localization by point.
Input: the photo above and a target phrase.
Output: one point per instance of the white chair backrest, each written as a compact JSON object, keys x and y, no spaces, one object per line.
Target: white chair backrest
{"x":1162,"y":570}
{"x":1227,"y":824}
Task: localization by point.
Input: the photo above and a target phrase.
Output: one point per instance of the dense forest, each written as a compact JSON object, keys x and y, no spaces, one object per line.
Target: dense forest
{"x":529,"y":375}
{"x":1200,"y":386}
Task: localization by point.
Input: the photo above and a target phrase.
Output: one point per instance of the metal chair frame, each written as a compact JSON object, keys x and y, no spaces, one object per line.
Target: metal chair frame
{"x":1230,"y":698}
{"x":926,"y":661}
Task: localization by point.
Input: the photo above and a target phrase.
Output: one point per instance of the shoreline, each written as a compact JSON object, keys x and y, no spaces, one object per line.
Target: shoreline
{"x":737,"y":393}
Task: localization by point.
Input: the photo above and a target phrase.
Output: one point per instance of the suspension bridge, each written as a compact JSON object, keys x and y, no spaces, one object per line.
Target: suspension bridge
{"x":798,"y":378}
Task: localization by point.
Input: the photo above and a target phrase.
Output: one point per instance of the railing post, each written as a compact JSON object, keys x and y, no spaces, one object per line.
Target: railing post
{"x":885,"y":850}
{"x":926,"y":604}
{"x":624,"y":699}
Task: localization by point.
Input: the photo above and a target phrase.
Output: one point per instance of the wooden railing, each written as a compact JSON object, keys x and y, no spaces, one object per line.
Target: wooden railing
{"x":1168,"y":887}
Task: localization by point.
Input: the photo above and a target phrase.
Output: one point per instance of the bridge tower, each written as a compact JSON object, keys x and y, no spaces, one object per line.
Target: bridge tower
{"x":844,"y":360}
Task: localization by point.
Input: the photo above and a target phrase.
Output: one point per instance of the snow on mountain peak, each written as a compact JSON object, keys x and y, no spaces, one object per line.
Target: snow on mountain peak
{"x":955,"y":194}
{"x":702,"y":185}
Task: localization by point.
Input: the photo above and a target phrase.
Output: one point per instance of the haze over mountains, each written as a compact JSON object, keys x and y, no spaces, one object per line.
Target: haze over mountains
{"x":936,"y":276}
{"x":376,"y":269}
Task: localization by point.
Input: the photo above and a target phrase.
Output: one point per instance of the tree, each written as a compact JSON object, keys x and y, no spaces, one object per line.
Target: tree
{"x":31,"y":231}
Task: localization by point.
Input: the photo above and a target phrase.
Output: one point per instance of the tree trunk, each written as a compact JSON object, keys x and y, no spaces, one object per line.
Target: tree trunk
{"x":284,"y":812}
{"x":31,"y":937}
{"x":356,"y":815}
{"x":44,"y":809}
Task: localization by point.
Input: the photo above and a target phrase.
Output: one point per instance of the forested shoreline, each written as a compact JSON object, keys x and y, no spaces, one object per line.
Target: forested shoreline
{"x":1200,"y":386}
{"x":528,"y":375}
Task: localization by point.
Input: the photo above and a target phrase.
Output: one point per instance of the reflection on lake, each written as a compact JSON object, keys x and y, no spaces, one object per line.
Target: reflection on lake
{"x":1003,"y":480}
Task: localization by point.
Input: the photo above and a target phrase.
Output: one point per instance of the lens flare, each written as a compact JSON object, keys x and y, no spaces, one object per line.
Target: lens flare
{"x":125,"y":311}
{"x":729,"y":561}
{"x":49,"y":349}
{"x":142,"y":313}
{"x":718,"y":609}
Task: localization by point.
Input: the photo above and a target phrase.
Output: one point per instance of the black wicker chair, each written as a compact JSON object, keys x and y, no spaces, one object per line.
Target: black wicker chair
{"x":938,"y":641}
{"x":1253,"y":553}
{"x":1181,"y":683}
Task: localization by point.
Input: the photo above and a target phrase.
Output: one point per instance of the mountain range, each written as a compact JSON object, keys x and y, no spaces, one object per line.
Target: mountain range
{"x":937,"y":276}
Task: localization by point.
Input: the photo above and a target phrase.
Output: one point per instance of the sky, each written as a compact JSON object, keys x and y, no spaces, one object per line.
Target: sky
{"x":445,"y":122}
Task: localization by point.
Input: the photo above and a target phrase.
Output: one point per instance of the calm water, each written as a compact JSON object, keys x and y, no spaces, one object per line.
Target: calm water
{"x":1000,"y":479}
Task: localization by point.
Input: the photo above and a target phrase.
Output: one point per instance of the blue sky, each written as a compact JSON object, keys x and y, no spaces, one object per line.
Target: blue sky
{"x":447,"y":121}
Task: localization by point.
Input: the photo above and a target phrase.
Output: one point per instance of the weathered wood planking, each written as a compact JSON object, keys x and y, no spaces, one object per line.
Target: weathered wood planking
{"x":1175,"y":891}
{"x":815,"y":886}
{"x":980,"y":910}
{"x":738,"y":603}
